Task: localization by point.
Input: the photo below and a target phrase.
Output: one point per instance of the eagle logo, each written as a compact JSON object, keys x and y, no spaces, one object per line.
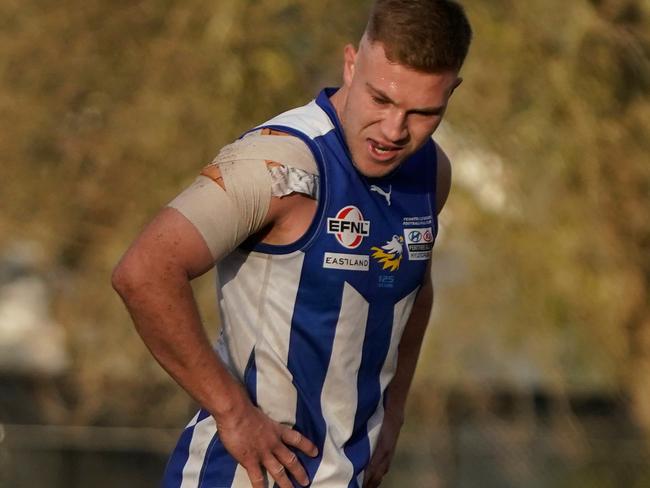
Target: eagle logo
{"x":390,"y":254}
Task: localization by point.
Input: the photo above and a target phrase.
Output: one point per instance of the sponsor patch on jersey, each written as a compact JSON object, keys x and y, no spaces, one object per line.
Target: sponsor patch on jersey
{"x":350,"y":262}
{"x":349,"y":227}
{"x":419,"y":242}
{"x":390,"y":254}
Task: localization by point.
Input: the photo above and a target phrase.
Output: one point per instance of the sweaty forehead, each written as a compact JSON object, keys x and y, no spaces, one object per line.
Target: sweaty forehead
{"x":402,"y":84}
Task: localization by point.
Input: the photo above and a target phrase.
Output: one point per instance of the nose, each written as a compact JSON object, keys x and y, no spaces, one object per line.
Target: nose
{"x":394,"y":127}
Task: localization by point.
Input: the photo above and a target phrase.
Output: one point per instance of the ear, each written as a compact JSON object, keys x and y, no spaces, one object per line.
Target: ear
{"x":459,"y":80}
{"x":349,"y":59}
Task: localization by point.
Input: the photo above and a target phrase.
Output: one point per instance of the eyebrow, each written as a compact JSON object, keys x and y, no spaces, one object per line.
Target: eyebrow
{"x":425,"y":110}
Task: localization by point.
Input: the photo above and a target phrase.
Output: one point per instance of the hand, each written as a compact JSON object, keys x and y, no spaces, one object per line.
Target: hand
{"x":383,"y":455}
{"x":257,"y":441}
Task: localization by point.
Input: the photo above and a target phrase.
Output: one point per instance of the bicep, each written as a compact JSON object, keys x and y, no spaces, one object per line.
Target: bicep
{"x":171,"y":244}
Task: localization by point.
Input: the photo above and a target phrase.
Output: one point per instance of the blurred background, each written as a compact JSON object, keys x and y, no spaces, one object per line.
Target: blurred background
{"x":536,"y":367}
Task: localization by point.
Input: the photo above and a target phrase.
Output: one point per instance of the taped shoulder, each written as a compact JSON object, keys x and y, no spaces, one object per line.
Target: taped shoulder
{"x":277,"y":147}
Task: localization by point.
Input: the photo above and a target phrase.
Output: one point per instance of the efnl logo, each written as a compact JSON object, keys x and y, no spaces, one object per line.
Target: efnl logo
{"x":348,"y":227}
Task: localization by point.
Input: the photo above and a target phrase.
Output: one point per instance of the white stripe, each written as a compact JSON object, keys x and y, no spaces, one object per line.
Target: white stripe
{"x":276,"y":394}
{"x":202,"y":435}
{"x":360,"y":478}
{"x":339,"y":396}
{"x":194,"y":420}
{"x":401,"y":314}
{"x":241,"y":479}
{"x":241,"y":275}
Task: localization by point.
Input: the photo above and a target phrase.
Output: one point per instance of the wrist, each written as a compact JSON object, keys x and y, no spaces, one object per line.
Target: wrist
{"x":230,"y":404}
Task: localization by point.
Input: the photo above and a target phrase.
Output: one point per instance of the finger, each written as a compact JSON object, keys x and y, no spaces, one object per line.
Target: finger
{"x":291,"y":462}
{"x":278,"y":472}
{"x":256,"y":476}
{"x":296,"y":439}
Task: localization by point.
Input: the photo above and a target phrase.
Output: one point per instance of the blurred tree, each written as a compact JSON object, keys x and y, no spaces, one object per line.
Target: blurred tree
{"x":109,"y":109}
{"x":560,"y":289}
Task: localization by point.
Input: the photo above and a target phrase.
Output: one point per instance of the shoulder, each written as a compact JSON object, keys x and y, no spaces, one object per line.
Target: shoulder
{"x":310,"y":120}
{"x":286,"y":149}
{"x":443,"y":178}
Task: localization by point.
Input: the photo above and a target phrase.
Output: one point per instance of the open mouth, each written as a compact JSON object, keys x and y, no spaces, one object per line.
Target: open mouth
{"x":381,"y":151}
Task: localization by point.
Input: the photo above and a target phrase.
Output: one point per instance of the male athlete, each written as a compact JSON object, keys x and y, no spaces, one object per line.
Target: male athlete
{"x":321,"y":222}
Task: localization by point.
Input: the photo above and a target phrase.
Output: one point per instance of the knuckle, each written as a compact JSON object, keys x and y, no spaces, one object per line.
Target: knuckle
{"x":280,"y":476}
{"x":292,"y":460}
{"x":256,"y":478}
{"x":251,"y":466}
{"x":294,"y":436}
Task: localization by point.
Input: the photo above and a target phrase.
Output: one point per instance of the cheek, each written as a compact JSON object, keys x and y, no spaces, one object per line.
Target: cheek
{"x":421,"y":133}
{"x":424,"y":128}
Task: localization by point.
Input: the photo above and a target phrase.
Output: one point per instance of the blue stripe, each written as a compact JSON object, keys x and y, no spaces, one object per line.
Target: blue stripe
{"x":219,"y":467}
{"x":250,"y":378}
{"x":375,"y":348}
{"x":174,"y":470}
{"x":310,"y":348}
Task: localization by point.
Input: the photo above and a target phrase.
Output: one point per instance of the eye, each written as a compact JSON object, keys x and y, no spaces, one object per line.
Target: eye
{"x":427,"y":114}
{"x":379,"y":100}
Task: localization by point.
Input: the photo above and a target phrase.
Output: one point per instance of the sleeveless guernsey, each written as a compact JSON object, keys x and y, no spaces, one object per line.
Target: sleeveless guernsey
{"x":312,"y":328}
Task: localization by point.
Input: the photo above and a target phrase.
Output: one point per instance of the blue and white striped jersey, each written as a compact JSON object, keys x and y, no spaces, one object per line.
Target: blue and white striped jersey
{"x":312,"y":328}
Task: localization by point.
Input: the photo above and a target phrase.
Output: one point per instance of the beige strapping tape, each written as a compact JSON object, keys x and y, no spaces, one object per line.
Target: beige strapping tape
{"x":286,"y":150}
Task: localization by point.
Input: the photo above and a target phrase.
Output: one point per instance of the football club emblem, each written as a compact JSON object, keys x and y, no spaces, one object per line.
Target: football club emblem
{"x":390,"y":254}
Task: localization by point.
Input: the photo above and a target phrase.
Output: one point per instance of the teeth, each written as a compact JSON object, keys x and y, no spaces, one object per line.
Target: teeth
{"x":380,"y":149}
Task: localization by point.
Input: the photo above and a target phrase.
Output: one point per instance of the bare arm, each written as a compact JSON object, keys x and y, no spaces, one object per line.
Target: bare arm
{"x":408,"y":354}
{"x":153,"y":279}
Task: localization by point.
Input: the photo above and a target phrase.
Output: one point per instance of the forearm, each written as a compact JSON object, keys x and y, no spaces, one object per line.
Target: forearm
{"x":174,"y":334}
{"x":154,"y":283}
{"x":408,"y":353}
